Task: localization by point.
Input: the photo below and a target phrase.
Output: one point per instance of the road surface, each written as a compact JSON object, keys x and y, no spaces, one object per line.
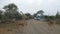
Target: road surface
{"x":38,"y":27}
{"x":32,"y":27}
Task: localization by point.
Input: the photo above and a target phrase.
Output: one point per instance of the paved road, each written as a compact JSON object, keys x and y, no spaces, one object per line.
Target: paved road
{"x":38,"y":27}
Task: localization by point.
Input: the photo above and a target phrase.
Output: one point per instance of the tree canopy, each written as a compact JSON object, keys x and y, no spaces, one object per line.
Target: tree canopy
{"x":57,"y":15}
{"x":11,"y":11}
{"x":40,"y":12}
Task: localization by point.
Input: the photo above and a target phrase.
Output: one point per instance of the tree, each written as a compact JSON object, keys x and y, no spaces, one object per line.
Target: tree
{"x":35,"y":15}
{"x":57,"y":15}
{"x":1,"y":14}
{"x":11,"y":11}
{"x":11,"y":7}
{"x":29,"y":16}
{"x":40,"y":12}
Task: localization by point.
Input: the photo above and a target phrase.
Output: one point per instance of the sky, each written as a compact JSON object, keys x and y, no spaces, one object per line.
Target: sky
{"x":50,"y":7}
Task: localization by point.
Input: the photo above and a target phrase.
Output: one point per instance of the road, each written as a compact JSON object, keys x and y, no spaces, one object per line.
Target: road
{"x":38,"y":27}
{"x":32,"y":27}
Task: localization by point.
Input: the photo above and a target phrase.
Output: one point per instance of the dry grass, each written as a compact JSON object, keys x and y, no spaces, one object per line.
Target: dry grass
{"x":12,"y":27}
{"x":58,"y":21}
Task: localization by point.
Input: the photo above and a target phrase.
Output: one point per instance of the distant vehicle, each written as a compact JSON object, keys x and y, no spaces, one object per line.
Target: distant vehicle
{"x":40,"y":18}
{"x":36,"y":18}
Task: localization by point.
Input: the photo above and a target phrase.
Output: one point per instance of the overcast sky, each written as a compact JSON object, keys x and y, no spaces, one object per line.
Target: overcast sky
{"x":50,"y":7}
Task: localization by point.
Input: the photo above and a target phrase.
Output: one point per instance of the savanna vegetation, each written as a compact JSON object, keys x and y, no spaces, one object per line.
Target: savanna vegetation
{"x":47,"y":17}
{"x":10,"y":13}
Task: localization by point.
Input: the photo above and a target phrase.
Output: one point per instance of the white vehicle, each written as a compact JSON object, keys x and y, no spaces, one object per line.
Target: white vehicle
{"x":36,"y":18}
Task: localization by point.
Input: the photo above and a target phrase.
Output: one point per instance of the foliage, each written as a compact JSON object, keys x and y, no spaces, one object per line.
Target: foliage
{"x":58,"y":18}
{"x":29,"y":16}
{"x":11,"y":12}
{"x":57,"y":15}
{"x":1,"y":14}
{"x":10,"y":7}
{"x":34,"y":15}
{"x":40,"y":12}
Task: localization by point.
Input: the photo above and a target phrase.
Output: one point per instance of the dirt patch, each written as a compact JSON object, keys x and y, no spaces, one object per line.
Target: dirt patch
{"x":12,"y":28}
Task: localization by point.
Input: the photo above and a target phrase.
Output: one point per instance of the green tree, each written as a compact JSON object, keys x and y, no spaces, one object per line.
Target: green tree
{"x":57,"y":15}
{"x":11,"y":11}
{"x":40,"y":12}
{"x":10,"y":7}
{"x":35,"y":15}
{"x":29,"y":16}
{"x":1,"y":14}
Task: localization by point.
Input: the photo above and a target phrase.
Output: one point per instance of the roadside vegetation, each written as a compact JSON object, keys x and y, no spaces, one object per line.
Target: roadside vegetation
{"x":12,"y":20}
{"x":11,"y":14}
{"x":40,"y":14}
